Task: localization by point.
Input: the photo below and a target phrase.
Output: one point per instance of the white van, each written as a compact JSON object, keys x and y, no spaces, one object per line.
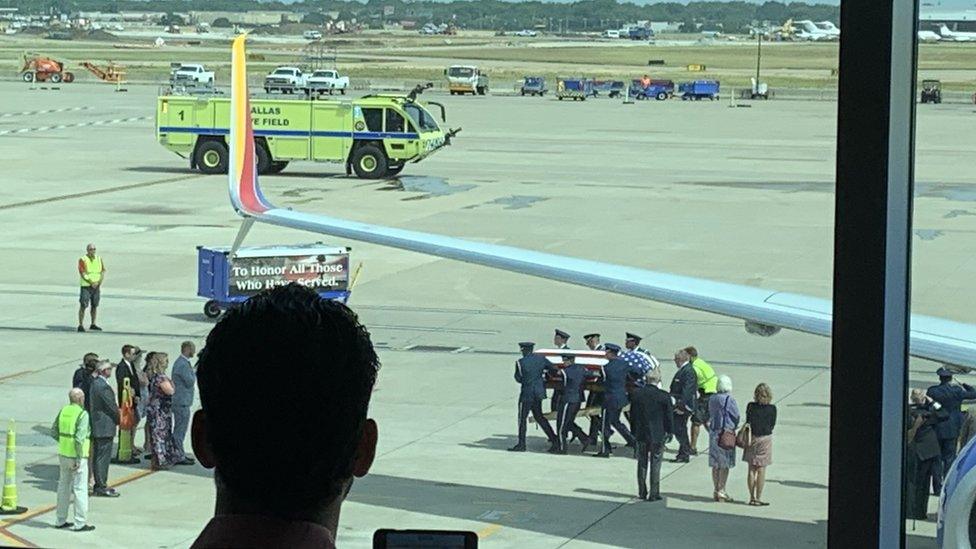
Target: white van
{"x":312,"y":35}
{"x":611,"y":33}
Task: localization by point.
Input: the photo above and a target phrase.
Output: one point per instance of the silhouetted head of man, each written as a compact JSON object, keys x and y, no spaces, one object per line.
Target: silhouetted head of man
{"x":285,"y":381}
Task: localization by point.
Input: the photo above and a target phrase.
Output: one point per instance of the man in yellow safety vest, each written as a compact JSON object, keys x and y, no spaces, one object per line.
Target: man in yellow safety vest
{"x":71,"y":428}
{"x":92,"y":272}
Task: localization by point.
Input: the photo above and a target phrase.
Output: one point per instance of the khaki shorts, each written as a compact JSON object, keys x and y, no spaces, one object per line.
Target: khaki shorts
{"x":90,"y":295}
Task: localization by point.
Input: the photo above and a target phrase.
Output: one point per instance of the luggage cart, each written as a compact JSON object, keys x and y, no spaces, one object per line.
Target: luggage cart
{"x":224,"y":280}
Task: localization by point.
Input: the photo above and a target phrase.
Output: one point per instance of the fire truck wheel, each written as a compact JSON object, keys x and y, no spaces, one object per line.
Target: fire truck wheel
{"x":264,"y":159}
{"x":369,"y":162}
{"x":28,"y":77}
{"x":69,"y":77}
{"x":211,"y":157}
{"x":211,"y":309}
{"x":661,"y":96}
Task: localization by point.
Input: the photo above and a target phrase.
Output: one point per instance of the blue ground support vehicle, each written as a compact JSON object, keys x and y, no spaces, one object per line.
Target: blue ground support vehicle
{"x":223,"y":280}
{"x":577,"y":89}
{"x":613,"y":88}
{"x":657,"y":89}
{"x":534,"y":85}
{"x":699,"y":89}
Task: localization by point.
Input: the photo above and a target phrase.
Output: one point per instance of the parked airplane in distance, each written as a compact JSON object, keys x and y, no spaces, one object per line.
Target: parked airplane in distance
{"x":928,"y":36}
{"x":956,"y":36}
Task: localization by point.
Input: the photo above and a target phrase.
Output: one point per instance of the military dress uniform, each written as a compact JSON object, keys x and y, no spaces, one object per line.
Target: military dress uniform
{"x":557,"y":393}
{"x":529,"y":372}
{"x":615,"y":374}
{"x":950,"y":397}
{"x":573,"y":377}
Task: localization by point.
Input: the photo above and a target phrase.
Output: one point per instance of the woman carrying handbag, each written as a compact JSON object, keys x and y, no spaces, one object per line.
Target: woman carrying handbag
{"x":760,"y":418}
{"x":723,"y":419}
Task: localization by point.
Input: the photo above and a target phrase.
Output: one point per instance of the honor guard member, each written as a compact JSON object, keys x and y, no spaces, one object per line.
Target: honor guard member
{"x":529,"y":371}
{"x":615,"y":374}
{"x":652,"y":369}
{"x":573,"y":376}
{"x":950,"y":396}
{"x":560,"y":341}
{"x":594,"y":398}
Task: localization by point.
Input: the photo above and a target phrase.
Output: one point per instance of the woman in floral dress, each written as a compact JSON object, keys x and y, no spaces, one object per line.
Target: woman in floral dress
{"x":159,"y":413}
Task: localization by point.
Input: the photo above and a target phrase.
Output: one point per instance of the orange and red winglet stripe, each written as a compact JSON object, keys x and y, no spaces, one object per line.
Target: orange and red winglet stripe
{"x":245,"y":192}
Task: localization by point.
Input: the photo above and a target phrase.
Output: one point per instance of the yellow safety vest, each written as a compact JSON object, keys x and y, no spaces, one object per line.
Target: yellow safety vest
{"x":68,"y":420}
{"x":93,"y":269}
{"x":707,"y":380}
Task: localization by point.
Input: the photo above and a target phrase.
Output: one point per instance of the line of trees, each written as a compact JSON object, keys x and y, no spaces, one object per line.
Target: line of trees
{"x":583,"y":15}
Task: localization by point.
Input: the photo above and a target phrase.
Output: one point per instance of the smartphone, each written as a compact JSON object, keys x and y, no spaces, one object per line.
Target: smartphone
{"x":387,"y":538}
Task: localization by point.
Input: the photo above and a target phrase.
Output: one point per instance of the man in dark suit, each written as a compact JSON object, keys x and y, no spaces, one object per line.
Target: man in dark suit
{"x":82,"y":378}
{"x":529,"y":372}
{"x":651,"y":414}
{"x":615,"y":374}
{"x":922,"y":452}
{"x":573,"y":376}
{"x":950,"y":396}
{"x":684,"y":389}
{"x":104,"y":422}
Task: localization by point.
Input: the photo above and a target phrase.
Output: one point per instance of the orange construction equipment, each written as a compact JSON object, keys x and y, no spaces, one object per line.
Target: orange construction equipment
{"x":38,"y":68}
{"x":112,"y":73}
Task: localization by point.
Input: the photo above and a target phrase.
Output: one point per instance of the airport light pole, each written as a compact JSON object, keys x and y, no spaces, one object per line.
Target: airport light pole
{"x":759,"y":34}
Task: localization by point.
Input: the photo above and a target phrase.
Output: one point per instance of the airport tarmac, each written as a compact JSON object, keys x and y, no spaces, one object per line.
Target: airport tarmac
{"x":742,"y":195}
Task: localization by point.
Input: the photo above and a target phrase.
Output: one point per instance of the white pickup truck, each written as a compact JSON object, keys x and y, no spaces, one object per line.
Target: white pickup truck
{"x":190,"y":74}
{"x":285,"y":80}
{"x":326,"y":81}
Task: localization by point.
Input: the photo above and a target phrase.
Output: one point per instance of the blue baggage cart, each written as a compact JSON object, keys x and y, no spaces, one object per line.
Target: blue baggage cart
{"x":613,"y":88}
{"x":657,"y":89}
{"x":224,"y":280}
{"x":577,"y":89}
{"x":699,"y":89}
{"x":534,"y":85}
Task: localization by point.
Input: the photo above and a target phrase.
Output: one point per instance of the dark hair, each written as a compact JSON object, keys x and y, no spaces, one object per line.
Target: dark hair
{"x":285,"y":381}
{"x":692,"y":352}
{"x":89,"y":361}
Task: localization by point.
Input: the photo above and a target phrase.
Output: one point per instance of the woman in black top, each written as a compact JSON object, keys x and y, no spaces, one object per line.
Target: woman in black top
{"x":761,"y":417}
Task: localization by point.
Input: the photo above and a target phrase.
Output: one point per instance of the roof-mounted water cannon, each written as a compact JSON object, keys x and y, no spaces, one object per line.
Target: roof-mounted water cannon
{"x":419,"y":89}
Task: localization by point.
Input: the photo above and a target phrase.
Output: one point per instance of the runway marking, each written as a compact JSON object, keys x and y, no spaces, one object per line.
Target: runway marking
{"x":16,"y":374}
{"x":98,"y":191}
{"x":4,"y":525}
{"x":487,"y":531}
{"x":19,"y":131}
{"x":20,"y":542}
{"x":44,"y":111}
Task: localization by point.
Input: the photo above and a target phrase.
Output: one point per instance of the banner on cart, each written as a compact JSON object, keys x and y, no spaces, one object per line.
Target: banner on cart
{"x":322,"y":273}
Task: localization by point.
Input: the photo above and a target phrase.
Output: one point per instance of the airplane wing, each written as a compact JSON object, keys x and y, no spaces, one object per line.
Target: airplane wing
{"x":764,"y":311}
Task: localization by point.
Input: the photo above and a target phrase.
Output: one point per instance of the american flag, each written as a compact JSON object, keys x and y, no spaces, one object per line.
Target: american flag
{"x":640,"y":360}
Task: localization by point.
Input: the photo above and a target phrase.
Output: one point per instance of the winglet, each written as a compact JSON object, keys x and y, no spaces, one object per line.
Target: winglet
{"x":245,"y":192}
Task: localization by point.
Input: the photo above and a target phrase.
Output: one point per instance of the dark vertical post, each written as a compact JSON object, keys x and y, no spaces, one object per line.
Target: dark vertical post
{"x":759,"y":34}
{"x":872,"y":243}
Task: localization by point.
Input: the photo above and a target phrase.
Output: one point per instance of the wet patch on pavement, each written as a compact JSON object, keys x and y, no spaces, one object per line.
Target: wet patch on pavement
{"x":514,"y":202}
{"x":429,"y":186}
{"x":928,"y":234}
{"x":150,"y":210}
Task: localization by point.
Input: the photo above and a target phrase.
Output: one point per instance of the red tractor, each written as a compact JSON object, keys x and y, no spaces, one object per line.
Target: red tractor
{"x":44,"y":69}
